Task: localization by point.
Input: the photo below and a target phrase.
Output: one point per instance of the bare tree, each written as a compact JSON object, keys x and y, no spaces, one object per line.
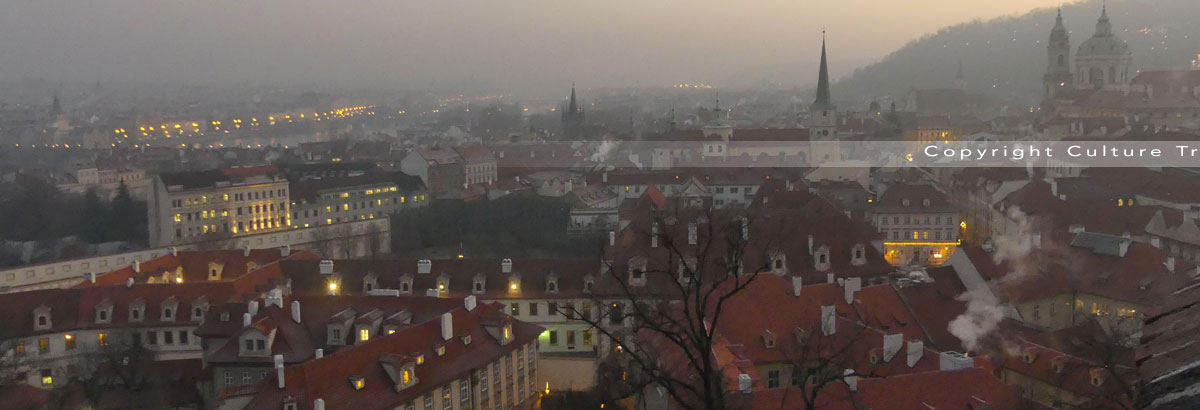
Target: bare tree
{"x":667,"y":300}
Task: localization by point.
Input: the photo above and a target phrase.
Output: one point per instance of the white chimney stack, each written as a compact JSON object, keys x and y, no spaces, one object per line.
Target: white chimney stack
{"x":612,"y":238}
{"x":326,"y":266}
{"x":252,"y":308}
{"x":296,"y":311}
{"x":604,"y":177}
{"x":797,"y":283}
{"x":319,"y":404}
{"x":319,"y":353}
{"x":285,"y":250}
{"x":745,"y":383}
{"x":916,"y":348}
{"x":469,"y":303}
{"x":852,"y":286}
{"x":129,"y":282}
{"x":954,"y":361}
{"x":91,"y":276}
{"x":137,"y":266}
{"x":447,"y":326}
{"x":246,"y":251}
{"x":654,"y":235}
{"x":424,"y":266}
{"x":810,"y":244}
{"x":829,"y":278}
{"x":1170,"y":264}
{"x":891,"y":345}
{"x":851,"y":379}
{"x":279,"y":369}
{"x":246,"y":319}
{"x":174,"y":251}
{"x":828,"y":320}
{"x":506,"y":265}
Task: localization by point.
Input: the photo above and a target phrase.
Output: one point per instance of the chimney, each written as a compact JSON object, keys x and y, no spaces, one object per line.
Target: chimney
{"x":810,"y":244}
{"x":279,"y":369}
{"x":851,"y":286}
{"x":252,"y":308}
{"x":745,"y":229}
{"x":612,"y":238}
{"x":174,"y":251}
{"x":274,"y":297}
{"x":246,"y":251}
{"x":469,"y":303}
{"x":828,"y":320}
{"x":246,"y":319}
{"x":829,"y":278}
{"x":433,"y":293}
{"x":851,"y":379}
{"x":129,"y":282}
{"x":745,"y":384}
{"x":91,"y":277}
{"x":692,"y":234}
{"x":296,"y":311}
{"x":424,"y":266}
{"x":506,"y":265}
{"x":1036,"y":240}
{"x":797,"y":283}
{"x":1170,"y":264}
{"x":326,"y":266}
{"x":319,"y":353}
{"x":285,"y":250}
{"x":604,"y":177}
{"x":891,"y":345}
{"x":137,"y":266}
{"x":1156,"y":242}
{"x":915,"y":349}
{"x":319,"y":404}
{"x":654,"y":235}
{"x":954,"y":361}
{"x":447,"y":326}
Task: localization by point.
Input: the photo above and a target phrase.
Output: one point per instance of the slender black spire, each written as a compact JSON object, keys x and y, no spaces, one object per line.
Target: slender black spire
{"x":572,"y":107}
{"x":823,"y":100}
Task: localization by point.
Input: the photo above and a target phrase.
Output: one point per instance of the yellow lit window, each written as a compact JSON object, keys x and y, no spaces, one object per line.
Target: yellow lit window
{"x":329,"y":209}
{"x":358,"y":384}
{"x":391,"y":331}
{"x":328,"y":221}
{"x":507,"y":332}
{"x":345,"y":194}
{"x":379,"y":202}
{"x":587,"y":338}
{"x":47,"y":380}
{"x":102,"y":338}
{"x":401,"y":199}
{"x":225,"y":197}
{"x":915,"y":236}
{"x":19,"y":349}
{"x":926,"y":235}
{"x":1078,"y":304}
{"x":224,"y":213}
{"x":364,"y":334}
{"x":178,"y":218}
{"x":407,"y":378}
{"x":345,"y":207}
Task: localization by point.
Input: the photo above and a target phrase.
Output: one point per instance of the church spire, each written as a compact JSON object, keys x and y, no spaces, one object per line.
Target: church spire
{"x":572,"y":107}
{"x":1103,"y":26}
{"x":823,"y":100}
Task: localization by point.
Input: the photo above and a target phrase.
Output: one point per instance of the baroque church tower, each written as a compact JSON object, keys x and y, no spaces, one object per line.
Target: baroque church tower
{"x":1058,"y":68}
{"x":1103,"y":61}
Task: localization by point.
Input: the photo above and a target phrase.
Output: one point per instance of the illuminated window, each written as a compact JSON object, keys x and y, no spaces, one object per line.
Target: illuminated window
{"x":102,"y":338}
{"x":47,"y":378}
{"x":407,"y":377}
{"x":178,"y":218}
{"x":345,"y":207}
{"x":69,"y":341}
{"x":364,"y":334}
{"x":43,"y":345}
{"x":19,"y":349}
{"x":915,"y":236}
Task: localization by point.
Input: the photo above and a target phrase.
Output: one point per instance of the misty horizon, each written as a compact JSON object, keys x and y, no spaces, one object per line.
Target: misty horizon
{"x":539,"y":49}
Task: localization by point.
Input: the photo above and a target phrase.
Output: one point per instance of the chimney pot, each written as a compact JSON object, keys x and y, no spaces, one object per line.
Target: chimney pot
{"x":828,"y":320}
{"x":252,"y":308}
{"x":851,"y":286}
{"x":915,"y":349}
{"x":797,"y":283}
{"x":246,"y":251}
{"x":246,"y":319}
{"x":319,"y":353}
{"x":745,"y":383}
{"x":129,"y":282}
{"x":469,"y":303}
{"x":279,"y":369}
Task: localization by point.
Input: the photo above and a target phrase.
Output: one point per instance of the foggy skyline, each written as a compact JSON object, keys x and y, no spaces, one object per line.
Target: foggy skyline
{"x":470,"y":44}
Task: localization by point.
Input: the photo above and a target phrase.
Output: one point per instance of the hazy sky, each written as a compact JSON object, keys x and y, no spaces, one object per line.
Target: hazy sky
{"x":463,"y":43}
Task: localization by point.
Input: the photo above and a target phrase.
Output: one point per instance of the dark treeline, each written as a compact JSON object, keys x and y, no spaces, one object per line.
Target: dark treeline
{"x":32,"y":209}
{"x":512,"y":226}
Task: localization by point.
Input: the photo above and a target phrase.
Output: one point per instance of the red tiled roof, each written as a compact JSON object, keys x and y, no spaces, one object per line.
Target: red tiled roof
{"x":328,"y":378}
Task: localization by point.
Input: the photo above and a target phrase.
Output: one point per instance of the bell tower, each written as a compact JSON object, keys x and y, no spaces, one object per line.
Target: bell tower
{"x":1058,"y":54}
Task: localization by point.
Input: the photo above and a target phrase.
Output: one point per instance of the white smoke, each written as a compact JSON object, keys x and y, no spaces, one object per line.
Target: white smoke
{"x":603,"y":151}
{"x":984,"y":313}
{"x":981,"y":318}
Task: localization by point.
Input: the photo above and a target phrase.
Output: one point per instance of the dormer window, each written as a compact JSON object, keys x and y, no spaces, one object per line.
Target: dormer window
{"x":858,"y":255}
{"x":768,"y":339}
{"x":137,"y":311}
{"x":370,"y":282}
{"x":357,"y":382}
{"x":41,"y":317}
{"x":552,"y":284}
{"x":587,"y":284}
{"x":904,"y":202}
{"x":254,"y":343}
{"x":168,"y":309}
{"x":514,"y":283}
{"x":441,"y":350}
{"x":1029,"y":356}
{"x":364,"y":334}
{"x":406,"y":283}
{"x":637,"y":271}
{"x":104,"y":311}
{"x":507,"y":333}
{"x":821,"y":258}
{"x":800,"y":335}
{"x":443,"y":283}
{"x":199,"y":308}
{"x":925,"y":202}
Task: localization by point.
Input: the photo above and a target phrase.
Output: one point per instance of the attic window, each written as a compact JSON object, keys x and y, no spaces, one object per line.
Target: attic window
{"x":587,"y":285}
{"x":357,"y":382}
{"x":552,"y":286}
{"x":478,"y":286}
{"x":420,"y":359}
{"x":406,"y":377}
{"x":924,"y":202}
{"x":904,"y":202}
{"x":224,"y":316}
{"x":466,"y":339}
{"x":441,"y":350}
{"x":404,"y":287}
{"x":43,"y":321}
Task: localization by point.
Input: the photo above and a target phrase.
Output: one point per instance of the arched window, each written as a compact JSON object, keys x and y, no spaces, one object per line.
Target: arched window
{"x":1062,"y":60}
